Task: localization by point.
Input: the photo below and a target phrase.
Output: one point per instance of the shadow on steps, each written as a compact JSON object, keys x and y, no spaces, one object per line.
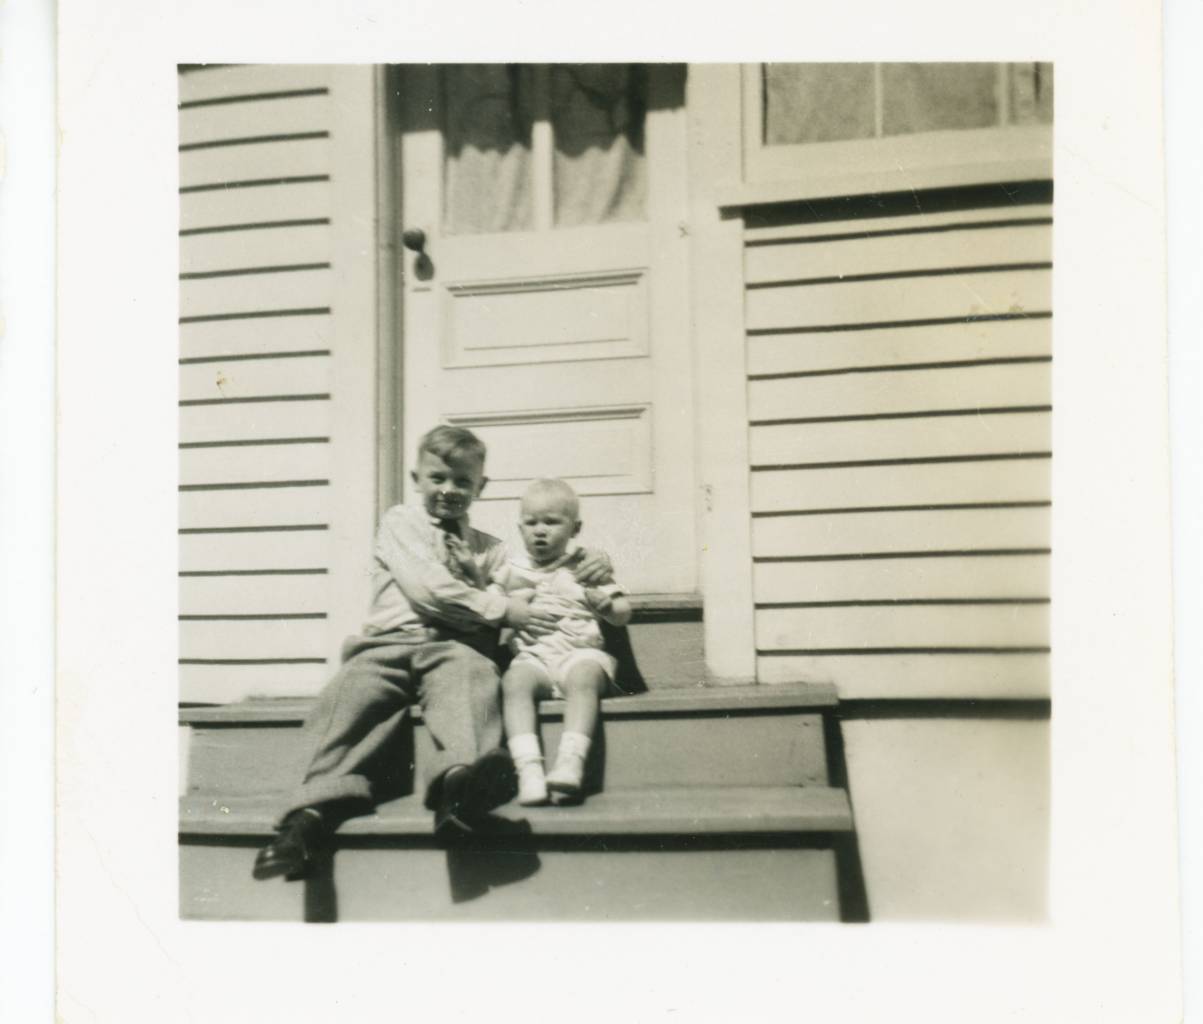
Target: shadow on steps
{"x":474,"y":868}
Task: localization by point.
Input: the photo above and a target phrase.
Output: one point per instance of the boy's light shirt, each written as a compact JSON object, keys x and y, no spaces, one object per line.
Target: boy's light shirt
{"x":414,"y":591}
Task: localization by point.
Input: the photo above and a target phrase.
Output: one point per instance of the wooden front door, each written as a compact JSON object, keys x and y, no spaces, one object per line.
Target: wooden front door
{"x":545,"y":299}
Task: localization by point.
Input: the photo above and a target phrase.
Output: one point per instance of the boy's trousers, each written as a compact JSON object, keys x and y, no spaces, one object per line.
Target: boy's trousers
{"x":381,"y":677}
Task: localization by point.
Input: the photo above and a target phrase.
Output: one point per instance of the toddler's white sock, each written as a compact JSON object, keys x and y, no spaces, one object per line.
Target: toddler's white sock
{"x":524,"y":748}
{"x":569,"y":770}
{"x":528,"y":760}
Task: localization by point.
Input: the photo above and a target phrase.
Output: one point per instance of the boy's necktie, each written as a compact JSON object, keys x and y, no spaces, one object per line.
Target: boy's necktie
{"x":450,"y":528}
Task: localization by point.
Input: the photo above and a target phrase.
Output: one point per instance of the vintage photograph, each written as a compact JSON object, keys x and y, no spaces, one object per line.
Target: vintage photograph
{"x":615,"y":492}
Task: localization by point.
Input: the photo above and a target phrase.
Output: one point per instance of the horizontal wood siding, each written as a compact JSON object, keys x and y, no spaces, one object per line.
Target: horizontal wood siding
{"x":899,"y":406}
{"x":261,"y":224}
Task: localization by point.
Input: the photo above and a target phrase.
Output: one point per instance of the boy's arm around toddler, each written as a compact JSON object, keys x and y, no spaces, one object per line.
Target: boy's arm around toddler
{"x":433,"y":592}
{"x":404,"y":549}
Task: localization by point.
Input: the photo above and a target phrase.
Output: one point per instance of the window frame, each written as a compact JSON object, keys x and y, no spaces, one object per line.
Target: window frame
{"x":891,"y":164}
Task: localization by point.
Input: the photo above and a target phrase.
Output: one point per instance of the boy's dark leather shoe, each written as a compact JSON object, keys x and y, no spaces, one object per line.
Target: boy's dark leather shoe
{"x":467,"y":794}
{"x":294,"y":851}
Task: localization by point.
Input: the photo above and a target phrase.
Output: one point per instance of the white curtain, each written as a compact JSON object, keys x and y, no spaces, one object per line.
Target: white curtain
{"x":487,"y":163}
{"x":597,"y":114}
{"x":599,"y":173}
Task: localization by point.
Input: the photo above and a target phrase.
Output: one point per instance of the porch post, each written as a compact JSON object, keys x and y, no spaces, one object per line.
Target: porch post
{"x":713,"y":102}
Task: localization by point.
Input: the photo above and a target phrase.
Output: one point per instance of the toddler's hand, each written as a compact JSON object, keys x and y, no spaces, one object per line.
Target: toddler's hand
{"x":599,"y":600}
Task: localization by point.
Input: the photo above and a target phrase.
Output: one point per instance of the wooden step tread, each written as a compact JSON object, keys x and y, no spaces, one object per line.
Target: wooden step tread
{"x":684,"y":702}
{"x":681,"y":810}
{"x":648,"y":609}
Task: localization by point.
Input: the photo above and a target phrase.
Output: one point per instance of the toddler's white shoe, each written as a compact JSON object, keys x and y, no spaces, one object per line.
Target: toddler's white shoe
{"x":567,"y":775}
{"x":532,"y":785}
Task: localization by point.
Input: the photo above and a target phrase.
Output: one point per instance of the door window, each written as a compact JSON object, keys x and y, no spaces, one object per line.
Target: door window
{"x":600,"y":168}
{"x":529,"y":147}
{"x":488,"y":115}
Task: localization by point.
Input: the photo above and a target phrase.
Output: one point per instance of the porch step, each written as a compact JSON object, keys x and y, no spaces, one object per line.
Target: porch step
{"x":665,"y":853}
{"x":666,"y":640}
{"x":666,"y":810}
{"x":731,"y":736}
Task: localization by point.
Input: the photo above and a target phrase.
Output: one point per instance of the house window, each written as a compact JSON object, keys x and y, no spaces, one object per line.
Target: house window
{"x":837,"y":128}
{"x":529,"y":147}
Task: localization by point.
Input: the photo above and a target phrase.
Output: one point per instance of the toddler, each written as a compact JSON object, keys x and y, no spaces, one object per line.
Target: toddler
{"x":569,"y":663}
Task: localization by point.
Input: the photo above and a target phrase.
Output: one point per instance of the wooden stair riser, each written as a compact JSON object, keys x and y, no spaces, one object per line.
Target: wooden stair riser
{"x":670,"y":654}
{"x":747,"y":878}
{"x":761,"y":748}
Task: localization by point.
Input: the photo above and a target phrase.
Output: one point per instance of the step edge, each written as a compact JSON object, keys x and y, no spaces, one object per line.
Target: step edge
{"x":683,"y":701}
{"x":797,"y":809}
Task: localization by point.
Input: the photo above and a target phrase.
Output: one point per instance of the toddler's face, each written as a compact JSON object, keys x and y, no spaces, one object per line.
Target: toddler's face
{"x":448,"y":488}
{"x":547,"y":527}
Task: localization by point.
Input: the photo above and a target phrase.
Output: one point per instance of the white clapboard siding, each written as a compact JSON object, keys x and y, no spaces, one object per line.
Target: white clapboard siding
{"x":279,"y":225}
{"x":269,"y":336}
{"x":885,"y":254}
{"x":899,"y":439}
{"x":891,"y":346}
{"x":225,"y":684}
{"x":230,"y":207}
{"x":245,"y":378}
{"x":916,"y":676}
{"x":894,"y":391}
{"x":1016,"y":625}
{"x":861,"y":333}
{"x":946,"y":483}
{"x":237,"y":421}
{"x":909,"y":222}
{"x":288,"y":115}
{"x":250,"y":464}
{"x":282,"y":506}
{"x":262,"y":247}
{"x":254,"y":595}
{"x":260,"y":549}
{"x":253,"y":639}
{"x":254,"y":293}
{"x":888,"y":579}
{"x":255,"y":162}
{"x":898,"y":299}
{"x":230,"y":80}
{"x":963,"y":529}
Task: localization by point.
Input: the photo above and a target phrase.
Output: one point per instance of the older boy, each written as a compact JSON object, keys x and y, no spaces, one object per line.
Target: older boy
{"x":429,"y":640}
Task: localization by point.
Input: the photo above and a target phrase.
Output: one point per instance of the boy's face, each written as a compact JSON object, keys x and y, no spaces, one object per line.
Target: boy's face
{"x":547,"y":527}
{"x":448,"y":488}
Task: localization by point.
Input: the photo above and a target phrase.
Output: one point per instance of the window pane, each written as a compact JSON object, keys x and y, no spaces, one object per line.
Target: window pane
{"x":600,"y":168}
{"x":487,"y":163}
{"x":1031,"y":93}
{"x":817,"y":103}
{"x":938,"y":97}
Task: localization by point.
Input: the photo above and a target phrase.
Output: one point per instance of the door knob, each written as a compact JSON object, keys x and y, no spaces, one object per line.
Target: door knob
{"x":414,"y":239}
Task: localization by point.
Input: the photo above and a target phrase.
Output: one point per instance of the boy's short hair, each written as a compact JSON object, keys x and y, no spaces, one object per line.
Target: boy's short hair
{"x":558,"y":490}
{"x":453,"y":444}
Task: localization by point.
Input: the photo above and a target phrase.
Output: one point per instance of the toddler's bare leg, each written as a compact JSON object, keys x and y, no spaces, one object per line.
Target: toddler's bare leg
{"x":583,"y":689}
{"x":583,"y":686}
{"x":520,"y":686}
